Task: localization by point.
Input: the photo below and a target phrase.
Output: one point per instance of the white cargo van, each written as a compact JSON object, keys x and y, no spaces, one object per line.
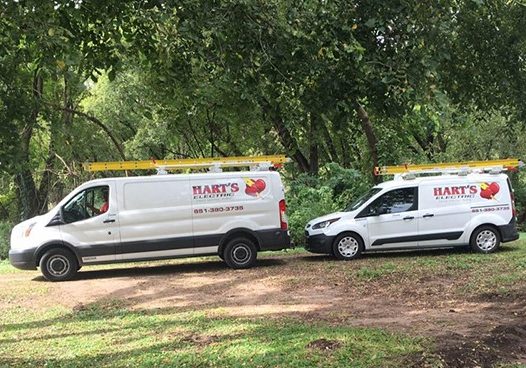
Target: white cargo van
{"x":232,"y":214}
{"x":420,"y":212}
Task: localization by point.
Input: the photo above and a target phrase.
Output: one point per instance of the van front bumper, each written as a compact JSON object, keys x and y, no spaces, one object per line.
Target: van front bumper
{"x":23,"y":259}
{"x":319,"y":243}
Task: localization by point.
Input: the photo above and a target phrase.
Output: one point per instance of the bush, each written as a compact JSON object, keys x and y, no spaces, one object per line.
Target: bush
{"x":520,"y":202}
{"x":5,"y":232}
{"x":310,"y":196}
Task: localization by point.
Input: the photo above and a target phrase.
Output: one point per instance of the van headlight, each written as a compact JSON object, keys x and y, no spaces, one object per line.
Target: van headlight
{"x":324,"y":224}
{"x":27,"y":232}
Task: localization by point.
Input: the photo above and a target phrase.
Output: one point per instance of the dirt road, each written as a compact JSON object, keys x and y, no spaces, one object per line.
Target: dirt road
{"x":438,"y":294}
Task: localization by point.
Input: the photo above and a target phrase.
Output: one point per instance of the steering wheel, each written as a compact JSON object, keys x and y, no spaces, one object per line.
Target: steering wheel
{"x":72,"y":215}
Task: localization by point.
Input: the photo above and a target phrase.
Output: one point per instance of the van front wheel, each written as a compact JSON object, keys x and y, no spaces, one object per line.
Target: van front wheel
{"x":240,"y":253}
{"x":58,"y":265}
{"x":347,"y":246}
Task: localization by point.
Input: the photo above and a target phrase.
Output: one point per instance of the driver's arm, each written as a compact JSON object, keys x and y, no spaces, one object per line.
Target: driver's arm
{"x":92,"y":208}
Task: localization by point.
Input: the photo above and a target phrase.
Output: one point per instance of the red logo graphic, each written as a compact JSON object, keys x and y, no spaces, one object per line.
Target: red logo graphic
{"x":488,"y":191}
{"x":254,"y":187}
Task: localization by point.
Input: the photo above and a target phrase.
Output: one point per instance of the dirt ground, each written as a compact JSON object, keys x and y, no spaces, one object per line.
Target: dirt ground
{"x":469,"y":329}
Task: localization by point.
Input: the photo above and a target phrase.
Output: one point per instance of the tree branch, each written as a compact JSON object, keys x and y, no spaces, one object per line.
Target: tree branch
{"x":100,"y":124}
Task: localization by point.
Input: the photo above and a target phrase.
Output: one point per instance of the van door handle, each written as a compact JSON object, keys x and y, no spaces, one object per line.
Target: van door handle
{"x":108,"y":221}
{"x":428,"y":215}
{"x":409,"y":218}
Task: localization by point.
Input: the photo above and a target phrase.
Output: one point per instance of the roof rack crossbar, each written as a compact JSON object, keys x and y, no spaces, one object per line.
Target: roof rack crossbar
{"x":212,"y":163}
{"x":461,"y":168}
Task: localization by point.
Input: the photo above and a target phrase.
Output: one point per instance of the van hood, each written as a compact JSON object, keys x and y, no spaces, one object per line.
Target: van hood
{"x":32,"y":220}
{"x":347,"y":215}
{"x":326,"y":217}
{"x":39,"y":221}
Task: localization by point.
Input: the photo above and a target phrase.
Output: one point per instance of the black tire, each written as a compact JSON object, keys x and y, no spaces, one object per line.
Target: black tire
{"x":347,"y":246}
{"x":240,"y":253}
{"x":58,"y":264}
{"x":485,"y":239}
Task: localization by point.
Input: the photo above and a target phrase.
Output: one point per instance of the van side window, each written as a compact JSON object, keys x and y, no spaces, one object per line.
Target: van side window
{"x":86,"y":204}
{"x":394,"y":201}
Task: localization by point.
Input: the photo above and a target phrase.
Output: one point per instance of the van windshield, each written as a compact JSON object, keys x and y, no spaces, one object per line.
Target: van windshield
{"x":356,"y":204}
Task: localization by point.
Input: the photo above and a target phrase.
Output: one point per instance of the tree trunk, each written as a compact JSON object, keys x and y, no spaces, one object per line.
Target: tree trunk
{"x":314,"y":157}
{"x":329,"y":143}
{"x":367,"y":127}
{"x":286,"y":139}
{"x":45,"y":182}
{"x":26,"y":188}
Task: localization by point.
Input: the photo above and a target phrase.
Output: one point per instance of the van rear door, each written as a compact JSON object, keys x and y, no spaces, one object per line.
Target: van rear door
{"x":445,"y":211}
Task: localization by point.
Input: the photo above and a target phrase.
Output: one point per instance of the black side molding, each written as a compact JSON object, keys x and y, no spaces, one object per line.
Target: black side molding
{"x":403,"y":239}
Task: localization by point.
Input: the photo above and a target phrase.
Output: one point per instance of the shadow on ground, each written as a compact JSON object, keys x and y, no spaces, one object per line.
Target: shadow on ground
{"x":183,"y":268}
{"x":392,"y":254}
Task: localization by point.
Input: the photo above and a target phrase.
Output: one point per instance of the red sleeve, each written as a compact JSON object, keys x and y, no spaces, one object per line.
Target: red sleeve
{"x":104,"y":208}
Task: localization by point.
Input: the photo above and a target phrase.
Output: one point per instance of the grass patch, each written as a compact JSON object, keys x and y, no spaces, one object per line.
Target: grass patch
{"x":107,"y":335}
{"x":5,"y":267}
{"x":16,"y":290}
{"x":368,"y":273}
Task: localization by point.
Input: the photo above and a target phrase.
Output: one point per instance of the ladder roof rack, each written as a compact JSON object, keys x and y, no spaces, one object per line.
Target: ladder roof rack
{"x":214,"y":164}
{"x":461,"y":168}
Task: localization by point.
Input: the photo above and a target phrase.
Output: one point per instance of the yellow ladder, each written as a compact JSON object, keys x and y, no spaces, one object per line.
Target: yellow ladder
{"x":451,"y":167}
{"x":190,"y":163}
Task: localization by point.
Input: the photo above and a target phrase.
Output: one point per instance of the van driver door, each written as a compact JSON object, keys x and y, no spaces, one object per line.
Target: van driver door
{"x":90,"y":223}
{"x":392,"y":219}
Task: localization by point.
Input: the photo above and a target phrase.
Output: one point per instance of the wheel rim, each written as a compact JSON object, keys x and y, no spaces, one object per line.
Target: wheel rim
{"x":58,"y":265}
{"x":348,"y":246}
{"x":241,"y":254}
{"x":486,"y":240}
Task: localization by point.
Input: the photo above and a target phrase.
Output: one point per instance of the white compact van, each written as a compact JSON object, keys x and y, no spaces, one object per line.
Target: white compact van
{"x":435,"y":211}
{"x":232,"y":214}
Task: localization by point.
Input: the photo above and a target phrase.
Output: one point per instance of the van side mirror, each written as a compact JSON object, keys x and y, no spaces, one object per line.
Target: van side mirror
{"x":58,"y":219}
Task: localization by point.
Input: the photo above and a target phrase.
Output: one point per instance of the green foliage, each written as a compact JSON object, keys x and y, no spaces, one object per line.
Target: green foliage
{"x":5,"y":233}
{"x":103,"y":81}
{"x":309,"y":196}
{"x":519,"y":185}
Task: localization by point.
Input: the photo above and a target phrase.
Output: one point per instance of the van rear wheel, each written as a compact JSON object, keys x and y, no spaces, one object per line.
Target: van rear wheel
{"x":240,"y":253}
{"x":58,"y":265}
{"x":485,"y":239}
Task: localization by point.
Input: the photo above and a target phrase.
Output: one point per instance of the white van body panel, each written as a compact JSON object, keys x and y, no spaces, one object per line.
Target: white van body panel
{"x":38,"y":234}
{"x":245,"y":211}
{"x":161,"y":216}
{"x":449,"y":208}
{"x":155,"y":211}
{"x":346,"y":223}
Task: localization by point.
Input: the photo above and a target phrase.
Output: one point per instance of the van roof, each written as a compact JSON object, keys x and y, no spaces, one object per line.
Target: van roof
{"x":226,"y":174}
{"x":441,"y":178}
